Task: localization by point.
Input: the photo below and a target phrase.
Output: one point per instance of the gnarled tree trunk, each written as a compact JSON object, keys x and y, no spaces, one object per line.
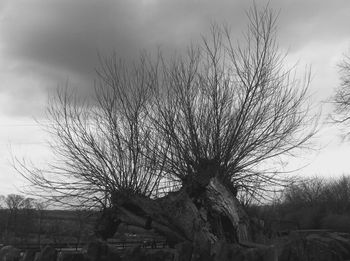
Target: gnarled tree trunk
{"x":202,"y":216}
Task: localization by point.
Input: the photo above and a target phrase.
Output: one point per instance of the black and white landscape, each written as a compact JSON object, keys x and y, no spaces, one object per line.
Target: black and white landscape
{"x":174,"y":130}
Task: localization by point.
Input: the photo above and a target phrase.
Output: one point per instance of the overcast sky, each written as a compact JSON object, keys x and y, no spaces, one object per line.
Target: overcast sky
{"x":46,"y":43}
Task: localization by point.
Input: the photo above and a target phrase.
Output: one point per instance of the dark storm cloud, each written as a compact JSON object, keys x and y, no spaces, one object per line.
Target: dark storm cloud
{"x":51,"y":41}
{"x":67,"y":34}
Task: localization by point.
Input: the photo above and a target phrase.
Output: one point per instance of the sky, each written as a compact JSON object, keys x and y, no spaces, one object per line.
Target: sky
{"x":45,"y":44}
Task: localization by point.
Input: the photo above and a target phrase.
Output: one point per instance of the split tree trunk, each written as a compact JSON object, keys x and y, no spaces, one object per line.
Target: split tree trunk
{"x":203,"y":218}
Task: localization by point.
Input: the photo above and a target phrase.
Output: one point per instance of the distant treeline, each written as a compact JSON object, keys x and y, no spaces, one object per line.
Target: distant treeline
{"x":25,"y":220}
{"x":315,"y":203}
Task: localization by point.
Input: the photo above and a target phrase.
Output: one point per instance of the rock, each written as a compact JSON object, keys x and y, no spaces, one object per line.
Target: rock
{"x":244,"y":252}
{"x":99,"y":250}
{"x":262,"y":253}
{"x":223,"y":251}
{"x":138,"y":253}
{"x":270,"y":254}
{"x":313,"y":247}
{"x":344,"y":242}
{"x":134,"y":254}
{"x":29,"y":255}
{"x":159,"y":255}
{"x":113,"y":254}
{"x":69,"y":256}
{"x":36,"y":256}
{"x":9,"y":253}
{"x":327,"y":245}
{"x":95,"y":250}
{"x":48,"y":253}
{"x":184,"y":251}
{"x":254,"y":251}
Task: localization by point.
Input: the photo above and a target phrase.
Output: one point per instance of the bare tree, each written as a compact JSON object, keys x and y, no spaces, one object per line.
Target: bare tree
{"x":100,"y":143}
{"x":19,"y":213}
{"x":341,"y":99}
{"x":307,"y":192}
{"x":15,"y":202}
{"x":2,"y":201}
{"x":167,"y":144}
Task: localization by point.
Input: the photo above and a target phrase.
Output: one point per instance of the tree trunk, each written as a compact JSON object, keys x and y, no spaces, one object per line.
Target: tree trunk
{"x":186,"y":215}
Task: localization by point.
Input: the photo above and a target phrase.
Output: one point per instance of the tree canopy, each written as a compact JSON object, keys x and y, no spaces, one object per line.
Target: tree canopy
{"x":223,"y":109}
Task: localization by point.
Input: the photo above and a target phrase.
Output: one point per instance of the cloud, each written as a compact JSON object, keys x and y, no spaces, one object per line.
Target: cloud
{"x":44,"y":43}
{"x":67,"y":34}
{"x":302,"y":22}
{"x":47,"y":43}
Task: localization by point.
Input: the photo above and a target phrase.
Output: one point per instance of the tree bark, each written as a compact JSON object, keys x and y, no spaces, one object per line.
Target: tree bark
{"x":211,"y":215}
